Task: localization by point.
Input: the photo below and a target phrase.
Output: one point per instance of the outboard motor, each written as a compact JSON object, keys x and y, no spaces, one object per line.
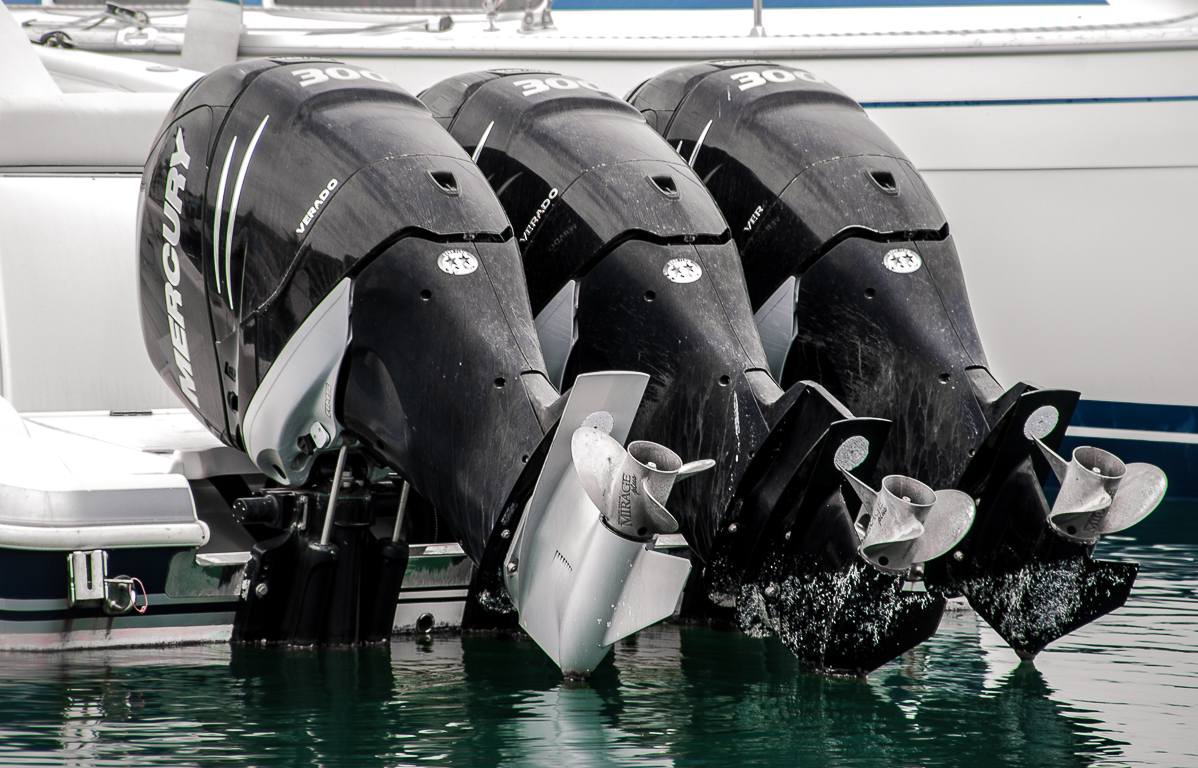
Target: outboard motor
{"x":329,"y":284}
{"x":630,"y":266}
{"x":856,"y":284}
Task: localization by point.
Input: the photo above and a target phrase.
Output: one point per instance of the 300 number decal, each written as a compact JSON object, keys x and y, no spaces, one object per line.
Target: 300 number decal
{"x":314,"y":76}
{"x":534,"y":86}
{"x":752,"y":78}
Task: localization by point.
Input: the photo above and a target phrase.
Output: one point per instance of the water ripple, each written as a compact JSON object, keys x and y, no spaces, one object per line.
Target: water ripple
{"x":1121,"y":691}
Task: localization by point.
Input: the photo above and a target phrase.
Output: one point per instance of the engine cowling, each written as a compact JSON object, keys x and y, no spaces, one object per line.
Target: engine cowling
{"x":855,"y":282}
{"x":317,"y":256}
{"x":631,"y":266}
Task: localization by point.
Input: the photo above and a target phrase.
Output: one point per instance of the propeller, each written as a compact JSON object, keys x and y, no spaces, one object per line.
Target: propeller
{"x":630,"y":486}
{"x":582,"y":569}
{"x":906,"y":522}
{"x":1099,"y":493}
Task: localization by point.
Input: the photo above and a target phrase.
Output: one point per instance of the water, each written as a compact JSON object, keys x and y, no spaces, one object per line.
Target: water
{"x":1122,"y":691}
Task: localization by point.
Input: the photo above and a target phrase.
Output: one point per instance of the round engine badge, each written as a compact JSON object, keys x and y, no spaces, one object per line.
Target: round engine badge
{"x":851,"y":453}
{"x":682,"y":271}
{"x":1042,"y":421}
{"x":457,"y":262}
{"x":902,"y":260}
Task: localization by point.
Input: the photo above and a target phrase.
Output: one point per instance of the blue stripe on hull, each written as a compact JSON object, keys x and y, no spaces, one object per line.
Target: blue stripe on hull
{"x":574,"y":5}
{"x":1025,"y":102}
{"x":42,"y":574}
{"x":1105,"y":414}
{"x":157,"y":610}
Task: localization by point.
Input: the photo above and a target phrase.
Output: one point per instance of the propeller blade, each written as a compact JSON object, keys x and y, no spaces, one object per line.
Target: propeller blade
{"x":1142,"y":489}
{"x":597,"y":457}
{"x":695,"y":467}
{"x":947,"y":523}
{"x":863,"y":491}
{"x":1060,"y":467}
{"x":660,"y":520}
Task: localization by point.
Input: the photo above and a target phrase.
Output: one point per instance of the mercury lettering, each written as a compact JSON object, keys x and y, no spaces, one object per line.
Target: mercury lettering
{"x":172,"y":207}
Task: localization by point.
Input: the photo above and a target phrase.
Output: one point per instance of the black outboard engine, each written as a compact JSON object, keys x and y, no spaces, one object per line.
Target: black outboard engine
{"x":856,"y":284}
{"x":329,"y":284}
{"x":630,"y":266}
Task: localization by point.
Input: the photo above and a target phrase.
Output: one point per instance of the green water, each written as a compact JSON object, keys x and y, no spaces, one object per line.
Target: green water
{"x":1123,"y":691}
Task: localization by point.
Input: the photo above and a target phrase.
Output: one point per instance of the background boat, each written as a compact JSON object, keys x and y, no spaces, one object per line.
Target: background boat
{"x":1057,"y":138}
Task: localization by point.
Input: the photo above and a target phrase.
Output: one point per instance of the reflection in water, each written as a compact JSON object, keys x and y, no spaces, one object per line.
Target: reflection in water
{"x":309,"y":707}
{"x":1121,"y":691}
{"x":93,"y":708}
{"x":570,"y":727}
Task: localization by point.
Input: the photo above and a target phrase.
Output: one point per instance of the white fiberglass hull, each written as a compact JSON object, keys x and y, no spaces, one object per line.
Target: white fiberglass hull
{"x":1057,"y":139}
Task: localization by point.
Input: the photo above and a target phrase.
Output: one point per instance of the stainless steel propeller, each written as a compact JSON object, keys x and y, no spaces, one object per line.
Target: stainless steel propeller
{"x":582,"y":569}
{"x":906,"y":522}
{"x":1099,"y":493}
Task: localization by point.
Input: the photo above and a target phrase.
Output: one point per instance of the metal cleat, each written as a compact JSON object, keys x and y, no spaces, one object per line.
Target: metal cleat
{"x":529,"y":23}
{"x":491,"y":8}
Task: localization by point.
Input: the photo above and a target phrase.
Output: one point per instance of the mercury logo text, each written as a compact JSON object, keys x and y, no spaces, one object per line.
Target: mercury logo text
{"x":171,"y":207}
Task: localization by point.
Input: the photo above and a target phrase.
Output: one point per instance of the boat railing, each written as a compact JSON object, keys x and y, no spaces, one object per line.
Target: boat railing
{"x":466,"y":8}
